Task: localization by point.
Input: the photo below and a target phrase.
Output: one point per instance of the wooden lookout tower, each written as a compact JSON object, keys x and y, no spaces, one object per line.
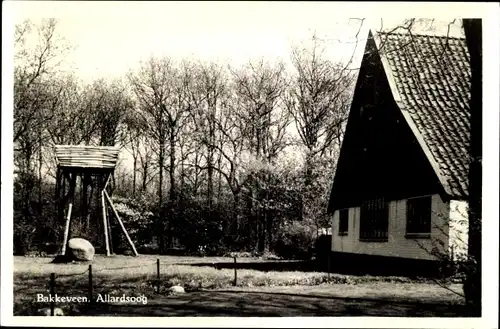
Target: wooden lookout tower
{"x":80,"y":168}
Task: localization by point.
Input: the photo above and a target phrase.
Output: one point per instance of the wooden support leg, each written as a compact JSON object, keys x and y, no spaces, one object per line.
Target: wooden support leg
{"x":58,"y":199}
{"x":106,"y":239}
{"x":61,"y":198}
{"x":107,"y":181}
{"x":58,"y":183}
{"x":106,"y":214}
{"x":121,"y":223}
{"x":66,"y":230}
{"x":110,"y":233}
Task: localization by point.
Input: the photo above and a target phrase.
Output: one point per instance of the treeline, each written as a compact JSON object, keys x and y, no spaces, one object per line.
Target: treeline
{"x":222,"y":158}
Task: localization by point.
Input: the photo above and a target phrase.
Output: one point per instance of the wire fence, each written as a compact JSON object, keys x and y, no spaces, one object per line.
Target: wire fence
{"x":90,"y":297}
{"x":92,"y":286}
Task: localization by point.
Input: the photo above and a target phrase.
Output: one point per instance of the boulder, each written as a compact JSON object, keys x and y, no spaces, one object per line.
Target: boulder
{"x":46,"y":312}
{"x":174,"y":290}
{"x":81,"y":249}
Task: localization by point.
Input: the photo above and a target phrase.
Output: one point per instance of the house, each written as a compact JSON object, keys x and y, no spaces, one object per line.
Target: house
{"x":401,"y":185}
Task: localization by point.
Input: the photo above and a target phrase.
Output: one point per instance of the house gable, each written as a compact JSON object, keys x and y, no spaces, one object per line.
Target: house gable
{"x":380,"y":154}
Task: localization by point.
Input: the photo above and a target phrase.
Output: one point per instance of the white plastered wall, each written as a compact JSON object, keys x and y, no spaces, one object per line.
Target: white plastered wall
{"x":398,"y":245}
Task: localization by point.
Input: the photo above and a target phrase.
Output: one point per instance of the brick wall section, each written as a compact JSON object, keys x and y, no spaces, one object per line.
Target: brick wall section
{"x":397,"y":245}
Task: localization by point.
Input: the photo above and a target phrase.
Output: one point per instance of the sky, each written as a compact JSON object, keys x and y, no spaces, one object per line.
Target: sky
{"x":110,"y":38}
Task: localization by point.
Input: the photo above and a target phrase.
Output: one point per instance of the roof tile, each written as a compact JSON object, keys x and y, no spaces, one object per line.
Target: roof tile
{"x":432,"y":76}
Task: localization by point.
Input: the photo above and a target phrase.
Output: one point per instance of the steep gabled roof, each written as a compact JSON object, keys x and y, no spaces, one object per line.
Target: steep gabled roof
{"x":429,"y":77}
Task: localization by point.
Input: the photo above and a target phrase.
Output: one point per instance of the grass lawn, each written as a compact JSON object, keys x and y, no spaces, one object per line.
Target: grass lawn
{"x":210,"y":291}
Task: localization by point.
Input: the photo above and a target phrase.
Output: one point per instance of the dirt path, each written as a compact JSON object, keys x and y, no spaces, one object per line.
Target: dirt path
{"x":277,"y":303}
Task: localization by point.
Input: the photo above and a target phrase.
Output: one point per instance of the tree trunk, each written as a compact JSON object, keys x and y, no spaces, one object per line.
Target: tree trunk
{"x":160,"y":227}
{"x":210,"y":180}
{"x":57,"y":198}
{"x":40,"y":180}
{"x":27,"y":184}
{"x":219,"y":179}
{"x":72,"y":188}
{"x":265,"y":232}
{"x":308,"y":210}
{"x":472,"y":286}
{"x":134,"y":176}
{"x":183,"y":175}
{"x":62,"y":197}
{"x":173,"y":187}
{"x":196,"y":171}
{"x":210,"y":164}
{"x":236,"y":217}
{"x":267,"y":221}
{"x":83,"y":197}
{"x":145,"y":168}
{"x":257,"y":234}
{"x":262,"y":232}
{"x":308,"y":169}
{"x":210,"y":160}
{"x":254,"y":221}
{"x":89,"y":203}
{"x":270,"y":232}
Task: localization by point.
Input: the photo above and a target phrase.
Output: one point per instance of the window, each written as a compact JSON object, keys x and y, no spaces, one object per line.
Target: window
{"x":418,"y":216}
{"x":344,"y":221}
{"x":374,"y":220}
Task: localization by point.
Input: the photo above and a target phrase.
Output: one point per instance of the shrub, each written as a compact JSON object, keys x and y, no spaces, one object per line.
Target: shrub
{"x":296,"y":241}
{"x":138,"y":220}
{"x":239,"y":254}
{"x":199,"y":229}
{"x":34,"y":225}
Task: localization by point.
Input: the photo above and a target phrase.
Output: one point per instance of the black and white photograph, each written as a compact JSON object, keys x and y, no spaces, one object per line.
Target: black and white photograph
{"x":290,"y":163}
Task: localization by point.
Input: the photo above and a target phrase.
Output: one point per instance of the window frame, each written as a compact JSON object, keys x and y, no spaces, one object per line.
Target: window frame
{"x":380,"y":228}
{"x":420,"y":234}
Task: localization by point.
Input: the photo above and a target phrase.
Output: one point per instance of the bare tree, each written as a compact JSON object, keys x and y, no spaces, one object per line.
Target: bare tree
{"x":33,"y":66}
{"x":160,"y":89}
{"x":38,"y":53}
{"x":227,"y":142}
{"x":210,"y":89}
{"x":113,"y":105}
{"x":319,"y":98}
{"x":152,"y":88}
{"x":259,"y":88}
{"x":147,"y":168}
{"x":134,"y":141}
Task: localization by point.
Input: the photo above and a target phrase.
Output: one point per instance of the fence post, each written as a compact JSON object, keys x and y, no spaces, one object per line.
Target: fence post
{"x":52,"y":293}
{"x":90,"y":283}
{"x":158,"y":275}
{"x":235,"y":273}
